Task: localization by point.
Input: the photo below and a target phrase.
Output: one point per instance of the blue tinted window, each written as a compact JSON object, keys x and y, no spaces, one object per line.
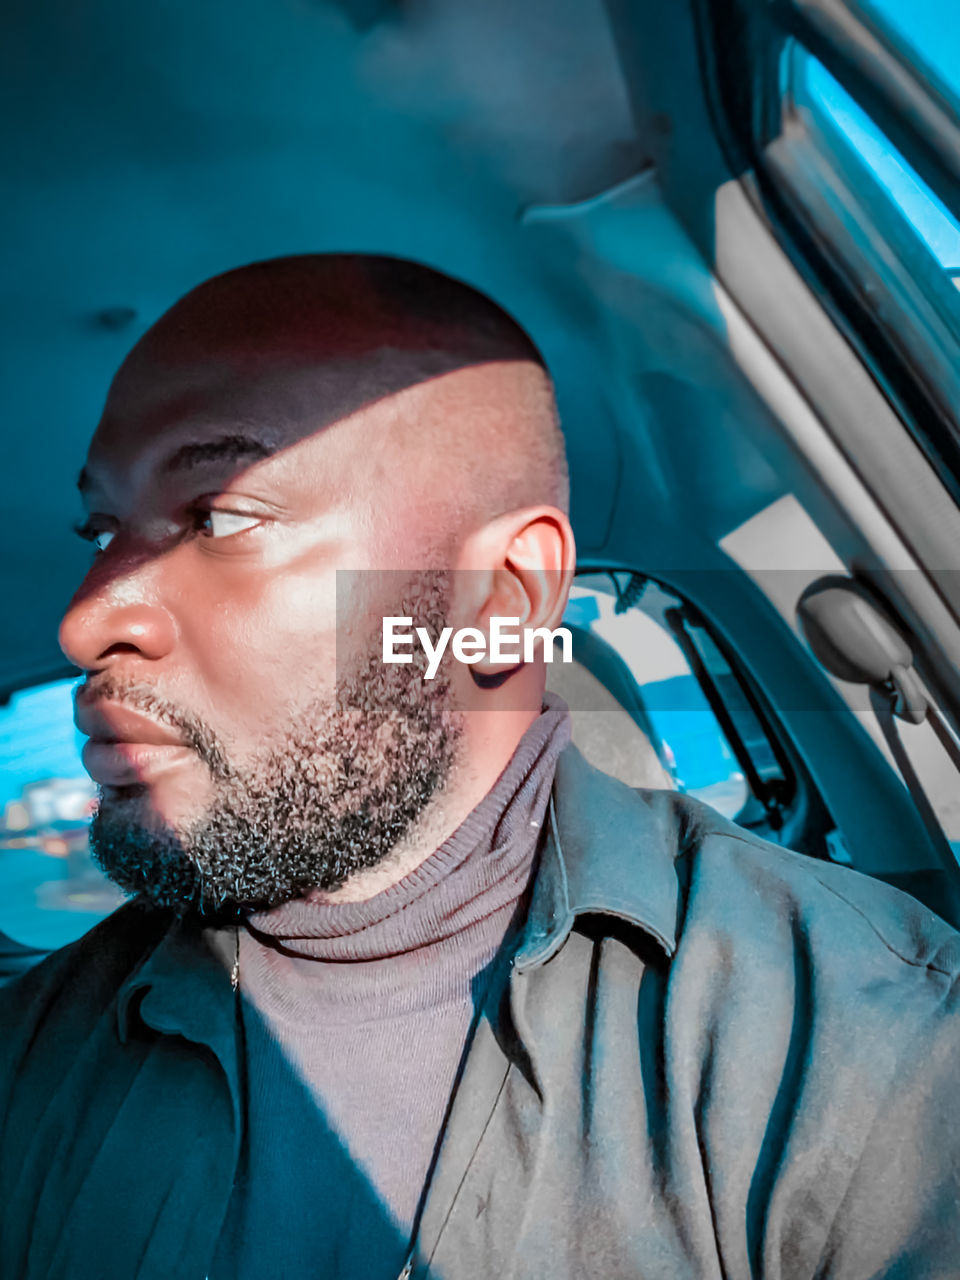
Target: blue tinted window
{"x":50,"y":891}
{"x":644,"y":669}
{"x":936,"y":226}
{"x":932,"y":28}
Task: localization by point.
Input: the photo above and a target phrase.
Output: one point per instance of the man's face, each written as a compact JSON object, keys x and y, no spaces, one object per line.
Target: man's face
{"x":234,"y":765}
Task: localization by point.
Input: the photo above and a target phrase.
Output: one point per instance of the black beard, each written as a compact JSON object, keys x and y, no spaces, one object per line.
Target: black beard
{"x":346,"y":786}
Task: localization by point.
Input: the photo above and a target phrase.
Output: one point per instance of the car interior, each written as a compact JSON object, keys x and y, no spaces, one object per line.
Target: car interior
{"x":754,"y":337}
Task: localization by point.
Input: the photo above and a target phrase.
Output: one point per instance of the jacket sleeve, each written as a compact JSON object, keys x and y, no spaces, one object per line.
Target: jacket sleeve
{"x":900,"y":1216}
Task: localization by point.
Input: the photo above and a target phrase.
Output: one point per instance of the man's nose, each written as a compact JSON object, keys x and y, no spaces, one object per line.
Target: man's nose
{"x":107,"y":622}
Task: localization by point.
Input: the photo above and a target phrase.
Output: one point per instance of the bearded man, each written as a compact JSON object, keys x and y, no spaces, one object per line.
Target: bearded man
{"x":405,"y":987}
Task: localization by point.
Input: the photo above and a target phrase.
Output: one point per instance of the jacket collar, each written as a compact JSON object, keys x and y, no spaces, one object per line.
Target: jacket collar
{"x":609,"y":850}
{"x":183,"y":988}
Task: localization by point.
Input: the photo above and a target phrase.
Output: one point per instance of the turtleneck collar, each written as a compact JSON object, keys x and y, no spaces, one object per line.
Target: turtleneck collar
{"x":486,"y":860}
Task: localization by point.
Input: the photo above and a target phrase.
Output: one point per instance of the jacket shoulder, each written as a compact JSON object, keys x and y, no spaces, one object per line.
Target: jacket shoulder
{"x":731,"y":872}
{"x":82,"y":977}
{"x":697,"y":881}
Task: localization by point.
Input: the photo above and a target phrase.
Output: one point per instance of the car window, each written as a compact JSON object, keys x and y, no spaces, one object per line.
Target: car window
{"x":878,"y":242}
{"x":50,"y":890}
{"x":928,"y":29}
{"x":623,"y":635}
{"x":815,"y":87}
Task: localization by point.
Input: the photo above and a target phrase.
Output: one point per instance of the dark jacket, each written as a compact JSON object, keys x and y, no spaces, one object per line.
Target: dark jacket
{"x":704,"y":1058}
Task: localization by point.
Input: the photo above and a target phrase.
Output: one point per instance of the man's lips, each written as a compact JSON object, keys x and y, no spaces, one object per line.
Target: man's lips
{"x":127,"y":746}
{"x":122,"y":764}
{"x":114,"y":722}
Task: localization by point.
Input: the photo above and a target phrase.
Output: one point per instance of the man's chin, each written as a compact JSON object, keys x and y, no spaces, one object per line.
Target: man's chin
{"x":139,"y":848}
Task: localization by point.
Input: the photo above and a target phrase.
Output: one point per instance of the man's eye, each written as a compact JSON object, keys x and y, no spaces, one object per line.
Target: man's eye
{"x":221,"y":524}
{"x":89,"y":532}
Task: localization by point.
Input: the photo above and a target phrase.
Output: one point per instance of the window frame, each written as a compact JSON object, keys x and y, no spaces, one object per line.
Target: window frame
{"x":791,"y":813}
{"x":777,"y":292}
{"x":805,"y":186}
{"x":880,"y":283}
{"x":775,"y":796}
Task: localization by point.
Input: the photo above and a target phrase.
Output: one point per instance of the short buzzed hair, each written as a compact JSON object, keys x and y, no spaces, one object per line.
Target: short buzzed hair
{"x":378,"y":325}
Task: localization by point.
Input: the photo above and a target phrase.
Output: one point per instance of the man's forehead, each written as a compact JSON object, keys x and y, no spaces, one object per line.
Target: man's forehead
{"x":220,"y":418}
{"x":278,"y":396}
{"x":158,"y":417}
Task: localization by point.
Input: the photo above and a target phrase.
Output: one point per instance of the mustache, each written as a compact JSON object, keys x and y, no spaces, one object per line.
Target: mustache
{"x":196,"y":734}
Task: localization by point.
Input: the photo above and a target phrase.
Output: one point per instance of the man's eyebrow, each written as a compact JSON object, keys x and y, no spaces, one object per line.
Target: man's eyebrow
{"x":224,"y":449}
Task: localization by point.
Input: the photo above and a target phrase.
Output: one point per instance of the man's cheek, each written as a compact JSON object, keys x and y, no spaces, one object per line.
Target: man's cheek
{"x":286,"y":631}
{"x":254,"y":651}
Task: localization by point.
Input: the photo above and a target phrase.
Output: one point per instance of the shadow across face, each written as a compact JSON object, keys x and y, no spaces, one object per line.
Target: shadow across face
{"x":281,"y":423}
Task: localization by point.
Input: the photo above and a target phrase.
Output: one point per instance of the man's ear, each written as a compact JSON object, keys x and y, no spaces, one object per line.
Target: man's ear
{"x":521,"y":566}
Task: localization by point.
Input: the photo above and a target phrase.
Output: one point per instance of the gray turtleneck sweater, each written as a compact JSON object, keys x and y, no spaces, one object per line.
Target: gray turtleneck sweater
{"x":355,"y":1019}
